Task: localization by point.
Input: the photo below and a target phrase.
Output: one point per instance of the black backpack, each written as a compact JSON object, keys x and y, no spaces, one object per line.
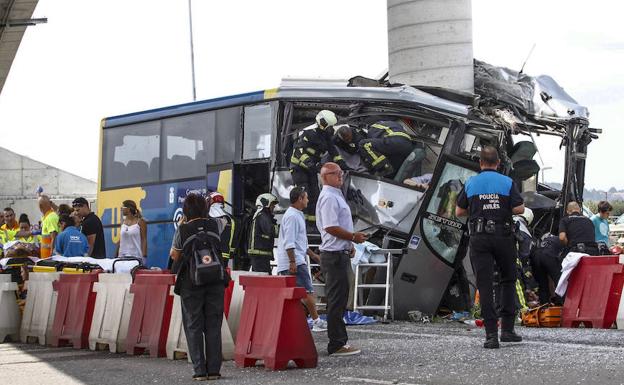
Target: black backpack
{"x":205,"y":263}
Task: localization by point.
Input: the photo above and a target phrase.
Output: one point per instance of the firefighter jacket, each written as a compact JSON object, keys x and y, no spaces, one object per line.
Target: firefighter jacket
{"x":352,"y":147}
{"x":387,"y":129}
{"x":263,"y":233}
{"x":310,"y":146}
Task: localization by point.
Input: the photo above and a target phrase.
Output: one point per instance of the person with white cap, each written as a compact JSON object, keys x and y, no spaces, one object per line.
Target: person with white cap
{"x":263,"y":233}
{"x":225,"y":222}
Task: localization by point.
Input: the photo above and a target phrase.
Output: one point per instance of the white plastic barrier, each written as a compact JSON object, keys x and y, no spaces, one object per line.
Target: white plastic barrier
{"x":111,"y":315}
{"x":9,"y":311}
{"x":176,"y":339}
{"x":40,"y":307}
{"x":236,"y":304}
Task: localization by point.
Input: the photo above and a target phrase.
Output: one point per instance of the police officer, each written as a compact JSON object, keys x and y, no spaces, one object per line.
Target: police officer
{"x":263,"y":233}
{"x":385,"y":148}
{"x":576,"y":232}
{"x":309,"y":147}
{"x":490,"y":199}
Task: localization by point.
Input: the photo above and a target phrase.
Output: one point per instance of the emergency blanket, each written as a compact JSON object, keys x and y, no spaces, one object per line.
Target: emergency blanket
{"x":350,"y":318}
{"x":567,"y":265}
{"x":365,"y":253}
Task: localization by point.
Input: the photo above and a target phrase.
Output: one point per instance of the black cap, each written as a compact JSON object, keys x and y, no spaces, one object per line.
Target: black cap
{"x":80,"y":202}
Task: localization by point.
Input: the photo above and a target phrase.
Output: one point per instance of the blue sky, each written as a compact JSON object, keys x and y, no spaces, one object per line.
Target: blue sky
{"x":102,"y":58}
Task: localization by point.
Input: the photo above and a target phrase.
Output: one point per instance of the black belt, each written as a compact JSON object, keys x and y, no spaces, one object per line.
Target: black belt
{"x":347,"y":252}
{"x":481,"y":225}
{"x":581,"y":247}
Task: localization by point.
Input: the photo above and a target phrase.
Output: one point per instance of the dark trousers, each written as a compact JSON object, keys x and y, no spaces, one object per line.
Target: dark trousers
{"x":335,"y":265}
{"x":545,"y":265}
{"x":202,"y":315}
{"x":309,"y":181}
{"x":486,"y":249}
{"x":261,"y":263}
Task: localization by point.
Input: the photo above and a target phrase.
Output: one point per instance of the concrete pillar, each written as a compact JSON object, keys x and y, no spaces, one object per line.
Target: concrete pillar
{"x":430,"y":43}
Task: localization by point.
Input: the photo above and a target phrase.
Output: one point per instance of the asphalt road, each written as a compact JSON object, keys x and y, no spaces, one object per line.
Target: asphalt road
{"x":398,"y":353}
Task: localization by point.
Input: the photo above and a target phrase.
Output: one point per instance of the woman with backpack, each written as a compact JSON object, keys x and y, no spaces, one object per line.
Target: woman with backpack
{"x":202,"y":299}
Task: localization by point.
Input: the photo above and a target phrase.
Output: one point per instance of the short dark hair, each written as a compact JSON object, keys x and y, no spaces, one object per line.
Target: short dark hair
{"x":489,"y":155}
{"x":8,"y":209}
{"x":69,"y":221}
{"x":604,"y":206}
{"x":296,"y":193}
{"x":194,"y":206}
{"x":80,"y":201}
{"x":64,"y":208}
{"x":23,"y":218}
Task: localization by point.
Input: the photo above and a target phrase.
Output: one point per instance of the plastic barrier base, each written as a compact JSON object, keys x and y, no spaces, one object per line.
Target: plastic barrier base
{"x":9,"y":311}
{"x":109,"y":327}
{"x":151,"y":313}
{"x":273,"y":325}
{"x":40,"y":308}
{"x":74,"y":309}
{"x":594,"y":293}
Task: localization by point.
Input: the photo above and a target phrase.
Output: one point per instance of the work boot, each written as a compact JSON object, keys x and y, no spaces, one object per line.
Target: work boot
{"x":510,"y":336}
{"x":491,"y":341}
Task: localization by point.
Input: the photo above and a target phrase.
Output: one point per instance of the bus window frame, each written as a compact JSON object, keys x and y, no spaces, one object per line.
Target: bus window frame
{"x":421,"y":215}
{"x":275,"y":108}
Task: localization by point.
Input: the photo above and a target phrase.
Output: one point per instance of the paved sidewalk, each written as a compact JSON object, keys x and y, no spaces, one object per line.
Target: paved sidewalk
{"x":399,"y":353}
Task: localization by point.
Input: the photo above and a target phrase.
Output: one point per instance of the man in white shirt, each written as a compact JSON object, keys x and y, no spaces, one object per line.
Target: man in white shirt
{"x":292,"y":248}
{"x":334,"y":222}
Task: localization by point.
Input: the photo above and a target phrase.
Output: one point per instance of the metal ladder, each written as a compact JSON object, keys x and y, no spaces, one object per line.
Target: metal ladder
{"x":315,"y":285}
{"x":387,"y":307}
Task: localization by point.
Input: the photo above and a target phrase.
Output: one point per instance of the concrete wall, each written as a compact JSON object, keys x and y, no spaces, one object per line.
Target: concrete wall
{"x":20,"y":176}
{"x":430,"y":43}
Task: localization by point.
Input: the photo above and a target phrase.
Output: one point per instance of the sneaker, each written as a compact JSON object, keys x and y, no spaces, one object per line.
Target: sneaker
{"x":318,"y":325}
{"x":199,"y":377}
{"x":346,"y":350}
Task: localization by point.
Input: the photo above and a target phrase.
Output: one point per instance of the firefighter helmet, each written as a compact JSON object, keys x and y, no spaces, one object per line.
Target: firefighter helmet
{"x":325,"y":119}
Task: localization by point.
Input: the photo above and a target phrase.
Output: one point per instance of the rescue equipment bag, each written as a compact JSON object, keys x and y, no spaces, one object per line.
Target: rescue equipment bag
{"x":545,"y":316}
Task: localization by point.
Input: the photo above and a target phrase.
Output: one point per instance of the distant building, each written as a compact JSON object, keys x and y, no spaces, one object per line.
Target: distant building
{"x":20,"y":176}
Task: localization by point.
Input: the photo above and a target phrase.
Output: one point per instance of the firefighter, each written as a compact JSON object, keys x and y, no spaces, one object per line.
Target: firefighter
{"x":225,"y":222}
{"x":347,"y":138}
{"x":263,"y":233}
{"x":309,"y":147}
{"x":385,"y":147}
{"x":490,"y":199}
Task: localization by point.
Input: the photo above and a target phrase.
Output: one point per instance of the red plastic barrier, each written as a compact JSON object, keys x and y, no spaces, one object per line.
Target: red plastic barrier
{"x":74,"y":309}
{"x":150,"y":315}
{"x":273,"y":326}
{"x":227,"y":298}
{"x":594,"y":291}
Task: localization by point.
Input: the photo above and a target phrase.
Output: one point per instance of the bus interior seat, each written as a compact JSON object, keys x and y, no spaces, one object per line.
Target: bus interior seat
{"x":523,"y":165}
{"x":182,"y":164}
{"x":137,"y":169}
{"x":118,"y":171}
{"x":412,"y":165}
{"x":154,"y":168}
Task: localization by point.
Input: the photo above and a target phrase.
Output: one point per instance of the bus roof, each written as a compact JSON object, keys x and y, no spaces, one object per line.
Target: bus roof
{"x":403,"y":94}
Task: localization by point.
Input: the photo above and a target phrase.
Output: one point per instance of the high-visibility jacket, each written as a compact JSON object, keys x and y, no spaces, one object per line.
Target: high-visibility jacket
{"x":387,"y":129}
{"x":49,"y":225}
{"x":7,"y":233}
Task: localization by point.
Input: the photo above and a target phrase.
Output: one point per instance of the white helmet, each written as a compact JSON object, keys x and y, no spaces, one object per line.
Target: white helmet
{"x":265,"y":200}
{"x":325,"y":119}
{"x":527,"y":215}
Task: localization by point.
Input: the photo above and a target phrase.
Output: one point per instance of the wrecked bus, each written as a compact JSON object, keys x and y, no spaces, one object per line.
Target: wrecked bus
{"x":241,"y":146}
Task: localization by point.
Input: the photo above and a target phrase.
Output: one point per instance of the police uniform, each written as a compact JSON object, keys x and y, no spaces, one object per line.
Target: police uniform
{"x":385,"y":148}
{"x":312,"y":143}
{"x":490,"y":197}
{"x":580,"y":233}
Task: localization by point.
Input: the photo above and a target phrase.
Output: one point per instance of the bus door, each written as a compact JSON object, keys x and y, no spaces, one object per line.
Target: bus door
{"x":437,"y":242}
